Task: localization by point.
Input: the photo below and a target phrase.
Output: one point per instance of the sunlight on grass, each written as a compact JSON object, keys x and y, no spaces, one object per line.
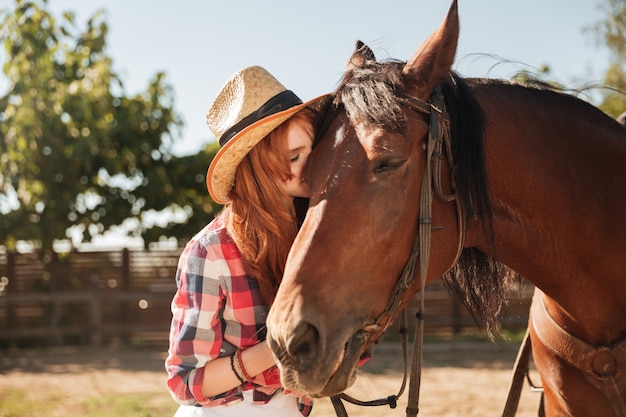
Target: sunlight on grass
{"x":19,"y":403}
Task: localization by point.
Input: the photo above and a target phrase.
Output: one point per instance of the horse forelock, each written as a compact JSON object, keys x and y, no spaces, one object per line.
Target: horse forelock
{"x":369,"y":95}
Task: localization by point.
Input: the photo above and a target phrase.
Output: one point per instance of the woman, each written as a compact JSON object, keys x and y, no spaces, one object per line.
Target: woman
{"x":218,"y":362}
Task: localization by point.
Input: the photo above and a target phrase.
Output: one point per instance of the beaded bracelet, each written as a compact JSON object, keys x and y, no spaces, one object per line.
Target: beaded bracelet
{"x":245,"y":373}
{"x":232,"y":366}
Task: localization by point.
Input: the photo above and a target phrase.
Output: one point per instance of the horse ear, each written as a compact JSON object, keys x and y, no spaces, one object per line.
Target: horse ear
{"x":362,"y":53}
{"x":433,"y":61}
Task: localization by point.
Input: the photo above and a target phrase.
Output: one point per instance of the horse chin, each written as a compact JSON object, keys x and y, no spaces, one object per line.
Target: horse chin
{"x":329,"y":379}
{"x":344,"y":373}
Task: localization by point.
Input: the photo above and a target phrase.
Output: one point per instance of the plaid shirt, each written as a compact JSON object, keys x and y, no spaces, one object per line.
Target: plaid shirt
{"x":216,"y":309}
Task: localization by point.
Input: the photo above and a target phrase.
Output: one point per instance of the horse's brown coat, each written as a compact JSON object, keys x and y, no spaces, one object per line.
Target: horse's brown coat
{"x":556,"y":169}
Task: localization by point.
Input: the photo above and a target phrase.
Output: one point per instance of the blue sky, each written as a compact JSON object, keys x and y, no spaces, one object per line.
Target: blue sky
{"x":200,"y":43}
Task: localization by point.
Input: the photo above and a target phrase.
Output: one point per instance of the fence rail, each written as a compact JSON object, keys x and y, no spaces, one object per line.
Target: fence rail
{"x":86,"y":297}
{"x":124,"y":296}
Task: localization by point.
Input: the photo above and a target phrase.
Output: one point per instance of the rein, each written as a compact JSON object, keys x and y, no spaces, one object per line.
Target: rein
{"x":439,"y":137}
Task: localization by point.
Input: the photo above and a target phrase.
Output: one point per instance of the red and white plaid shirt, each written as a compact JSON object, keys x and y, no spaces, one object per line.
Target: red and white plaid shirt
{"x":217,"y":309}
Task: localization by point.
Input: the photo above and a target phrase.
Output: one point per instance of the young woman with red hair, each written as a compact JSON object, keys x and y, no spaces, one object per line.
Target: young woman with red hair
{"x":218,"y":362}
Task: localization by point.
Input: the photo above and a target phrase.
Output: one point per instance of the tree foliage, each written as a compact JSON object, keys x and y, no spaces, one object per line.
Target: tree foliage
{"x":612,"y":33}
{"x":77,"y":153}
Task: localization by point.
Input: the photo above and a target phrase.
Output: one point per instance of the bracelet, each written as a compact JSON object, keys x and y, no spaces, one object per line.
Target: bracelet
{"x":246,"y":375}
{"x":232,"y":366}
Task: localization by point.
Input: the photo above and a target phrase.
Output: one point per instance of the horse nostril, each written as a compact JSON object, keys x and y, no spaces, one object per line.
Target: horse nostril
{"x":303,"y":342}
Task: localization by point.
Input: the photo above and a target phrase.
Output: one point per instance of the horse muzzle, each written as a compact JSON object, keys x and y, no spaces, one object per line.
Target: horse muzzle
{"x":319,"y":367}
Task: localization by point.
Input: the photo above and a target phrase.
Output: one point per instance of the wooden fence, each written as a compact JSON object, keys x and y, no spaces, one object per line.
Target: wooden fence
{"x":124,"y":297}
{"x":86,"y":297}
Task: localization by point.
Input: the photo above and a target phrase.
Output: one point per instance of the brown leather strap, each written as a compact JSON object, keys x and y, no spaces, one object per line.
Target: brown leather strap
{"x":604,"y":367}
{"x":340,"y":409}
{"x":575,"y":351}
{"x":391,"y":400}
{"x":520,"y":369}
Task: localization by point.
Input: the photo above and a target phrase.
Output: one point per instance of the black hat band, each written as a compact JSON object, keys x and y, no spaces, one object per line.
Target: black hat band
{"x":280,"y":102}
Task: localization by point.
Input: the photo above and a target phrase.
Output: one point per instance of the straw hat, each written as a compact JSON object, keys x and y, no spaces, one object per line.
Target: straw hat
{"x":251,"y":104}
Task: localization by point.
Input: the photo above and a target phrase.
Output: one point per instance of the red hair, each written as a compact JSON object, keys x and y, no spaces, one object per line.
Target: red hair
{"x":261,"y":218}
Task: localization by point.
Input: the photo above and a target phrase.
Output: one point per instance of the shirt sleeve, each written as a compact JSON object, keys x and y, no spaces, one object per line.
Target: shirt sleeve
{"x":196,"y":330}
{"x":217,"y":308}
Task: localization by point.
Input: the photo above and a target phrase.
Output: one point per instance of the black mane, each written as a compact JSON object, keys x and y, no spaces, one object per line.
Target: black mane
{"x":369,"y":94}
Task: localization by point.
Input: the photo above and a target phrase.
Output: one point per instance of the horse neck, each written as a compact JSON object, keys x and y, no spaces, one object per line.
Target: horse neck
{"x":556,"y":167}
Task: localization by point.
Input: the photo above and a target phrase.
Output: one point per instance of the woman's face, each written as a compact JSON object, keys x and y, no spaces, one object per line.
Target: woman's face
{"x":299,"y":142}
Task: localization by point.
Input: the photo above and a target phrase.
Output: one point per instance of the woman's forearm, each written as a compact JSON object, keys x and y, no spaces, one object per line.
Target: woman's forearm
{"x":219,"y":376}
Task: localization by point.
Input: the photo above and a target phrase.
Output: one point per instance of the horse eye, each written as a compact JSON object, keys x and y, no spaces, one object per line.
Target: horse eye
{"x":386,"y":166}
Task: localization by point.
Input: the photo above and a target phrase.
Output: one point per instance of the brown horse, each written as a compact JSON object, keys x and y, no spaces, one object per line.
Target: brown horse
{"x":527,"y":177}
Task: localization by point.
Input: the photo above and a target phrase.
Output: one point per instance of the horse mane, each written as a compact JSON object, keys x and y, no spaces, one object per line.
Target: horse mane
{"x":477,"y":279}
{"x":370,"y":95}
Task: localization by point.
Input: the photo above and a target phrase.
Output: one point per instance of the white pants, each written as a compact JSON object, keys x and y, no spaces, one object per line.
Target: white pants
{"x":281,"y":405}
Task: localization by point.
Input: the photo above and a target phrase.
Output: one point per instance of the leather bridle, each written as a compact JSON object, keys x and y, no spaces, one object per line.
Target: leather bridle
{"x":438,"y":147}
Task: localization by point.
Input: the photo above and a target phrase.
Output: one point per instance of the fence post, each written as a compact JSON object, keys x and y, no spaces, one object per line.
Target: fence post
{"x":125,"y":310}
{"x":96,"y":310}
{"x":11,"y":316}
{"x":51,"y":272}
{"x":457,"y":307}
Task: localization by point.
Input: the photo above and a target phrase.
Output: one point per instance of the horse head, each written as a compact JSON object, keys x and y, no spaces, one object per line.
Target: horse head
{"x":365,"y":175}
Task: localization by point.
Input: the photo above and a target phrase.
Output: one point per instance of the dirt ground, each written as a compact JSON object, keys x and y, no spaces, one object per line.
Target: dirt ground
{"x":459,"y":378}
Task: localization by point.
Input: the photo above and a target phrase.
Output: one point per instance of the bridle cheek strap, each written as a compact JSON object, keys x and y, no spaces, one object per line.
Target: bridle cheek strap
{"x":439,"y":137}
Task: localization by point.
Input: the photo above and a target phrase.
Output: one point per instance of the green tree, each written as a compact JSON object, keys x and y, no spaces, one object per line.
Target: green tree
{"x":612,"y":33}
{"x":181,"y":188}
{"x":76,"y":152}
